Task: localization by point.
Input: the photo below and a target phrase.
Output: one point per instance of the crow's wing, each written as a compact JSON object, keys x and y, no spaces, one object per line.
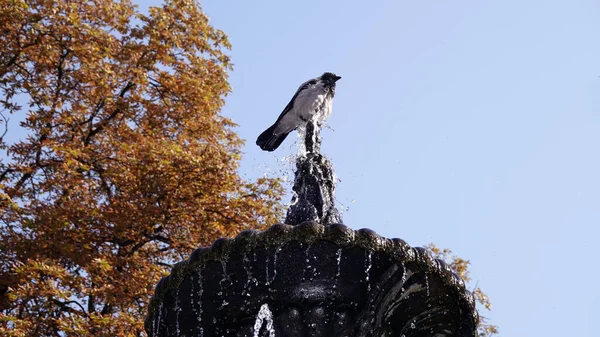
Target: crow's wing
{"x":290,"y":105}
{"x":272,"y":137}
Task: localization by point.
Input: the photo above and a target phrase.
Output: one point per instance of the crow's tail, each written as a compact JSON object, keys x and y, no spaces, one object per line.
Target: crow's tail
{"x":269,"y":140}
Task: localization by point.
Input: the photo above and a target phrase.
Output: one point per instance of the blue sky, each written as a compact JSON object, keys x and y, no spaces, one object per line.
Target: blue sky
{"x":471,"y":124}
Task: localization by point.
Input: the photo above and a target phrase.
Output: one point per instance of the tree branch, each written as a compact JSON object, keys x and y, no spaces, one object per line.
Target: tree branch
{"x":64,"y":306}
{"x":91,"y":304}
{"x":5,"y":126}
{"x":93,"y":131}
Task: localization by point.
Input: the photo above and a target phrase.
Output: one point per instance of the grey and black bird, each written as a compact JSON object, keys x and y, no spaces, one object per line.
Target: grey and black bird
{"x":313,"y":98}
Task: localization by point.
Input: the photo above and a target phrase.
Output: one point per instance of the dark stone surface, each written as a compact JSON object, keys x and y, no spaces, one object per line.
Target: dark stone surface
{"x":316,"y":281}
{"x":314,"y":184}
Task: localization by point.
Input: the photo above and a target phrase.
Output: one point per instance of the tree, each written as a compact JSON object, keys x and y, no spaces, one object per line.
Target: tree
{"x":461,"y":268}
{"x":127,"y":166}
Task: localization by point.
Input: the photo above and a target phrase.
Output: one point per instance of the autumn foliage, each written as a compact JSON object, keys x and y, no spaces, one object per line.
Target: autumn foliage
{"x":127,"y":165}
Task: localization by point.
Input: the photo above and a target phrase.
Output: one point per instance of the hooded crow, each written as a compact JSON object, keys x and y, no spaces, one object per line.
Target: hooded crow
{"x":312,"y":99}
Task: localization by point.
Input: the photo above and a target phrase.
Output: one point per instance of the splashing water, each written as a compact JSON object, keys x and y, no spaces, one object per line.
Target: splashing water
{"x":368,"y":270}
{"x":307,"y":255}
{"x":223,"y":279}
{"x":254,"y":279}
{"x":318,"y":121}
{"x":404,"y":276}
{"x":246,"y":262}
{"x":197,"y":313}
{"x":302,"y":152}
{"x":264,"y":316}
{"x":199,"y":303}
{"x":338,"y":258}
{"x":267,"y":271}
{"x":275,"y":264}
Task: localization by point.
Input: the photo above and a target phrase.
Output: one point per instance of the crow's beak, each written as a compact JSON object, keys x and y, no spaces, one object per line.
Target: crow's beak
{"x":337,"y":78}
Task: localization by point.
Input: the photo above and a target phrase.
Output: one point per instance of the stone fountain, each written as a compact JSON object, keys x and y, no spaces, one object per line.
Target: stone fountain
{"x":312,"y":276}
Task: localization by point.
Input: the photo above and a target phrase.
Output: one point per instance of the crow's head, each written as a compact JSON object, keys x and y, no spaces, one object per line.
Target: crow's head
{"x":330,"y":78}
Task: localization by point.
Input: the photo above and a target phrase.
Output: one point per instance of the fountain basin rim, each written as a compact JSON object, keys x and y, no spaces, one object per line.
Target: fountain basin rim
{"x":309,"y":233}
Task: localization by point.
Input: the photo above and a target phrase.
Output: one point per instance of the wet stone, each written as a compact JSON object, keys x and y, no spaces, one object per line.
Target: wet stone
{"x":314,"y":288}
{"x":314,"y":184}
